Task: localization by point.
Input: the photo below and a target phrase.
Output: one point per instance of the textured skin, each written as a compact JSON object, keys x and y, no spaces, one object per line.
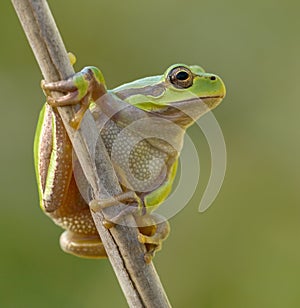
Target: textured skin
{"x":67,"y":208}
{"x":142,"y":156}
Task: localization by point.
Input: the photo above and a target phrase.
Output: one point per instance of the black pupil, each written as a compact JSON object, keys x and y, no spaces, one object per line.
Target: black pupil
{"x":182,"y":75}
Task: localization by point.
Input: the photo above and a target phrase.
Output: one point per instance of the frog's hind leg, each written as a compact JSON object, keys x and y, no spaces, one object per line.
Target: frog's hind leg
{"x":82,"y":245}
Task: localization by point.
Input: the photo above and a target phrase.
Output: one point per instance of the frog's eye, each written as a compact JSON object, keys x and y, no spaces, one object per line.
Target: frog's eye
{"x":181,"y":77}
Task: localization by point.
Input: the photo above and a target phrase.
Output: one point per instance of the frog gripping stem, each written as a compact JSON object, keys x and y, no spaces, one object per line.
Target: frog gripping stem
{"x":139,"y":281}
{"x":81,"y":88}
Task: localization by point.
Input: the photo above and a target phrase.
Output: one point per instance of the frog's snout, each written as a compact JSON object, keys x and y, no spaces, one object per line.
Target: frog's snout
{"x":218,"y":84}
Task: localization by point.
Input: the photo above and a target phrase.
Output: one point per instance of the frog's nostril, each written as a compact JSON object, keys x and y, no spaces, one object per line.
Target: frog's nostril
{"x":213,"y":77}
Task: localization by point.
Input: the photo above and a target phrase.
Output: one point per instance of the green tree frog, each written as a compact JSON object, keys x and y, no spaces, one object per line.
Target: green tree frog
{"x":146,"y":173}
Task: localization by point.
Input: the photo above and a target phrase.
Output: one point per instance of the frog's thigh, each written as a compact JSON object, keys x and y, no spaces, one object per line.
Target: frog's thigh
{"x":82,"y":245}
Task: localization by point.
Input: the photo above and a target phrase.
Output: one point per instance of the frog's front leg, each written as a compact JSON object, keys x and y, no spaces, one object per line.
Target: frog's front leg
{"x":153,"y":230}
{"x":135,"y":206}
{"x":81,"y":88}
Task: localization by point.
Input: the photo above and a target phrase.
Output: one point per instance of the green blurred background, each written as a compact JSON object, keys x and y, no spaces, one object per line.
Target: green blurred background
{"x":244,"y":251}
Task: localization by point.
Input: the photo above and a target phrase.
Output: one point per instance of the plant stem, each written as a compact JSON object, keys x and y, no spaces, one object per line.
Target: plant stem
{"x":139,"y":281}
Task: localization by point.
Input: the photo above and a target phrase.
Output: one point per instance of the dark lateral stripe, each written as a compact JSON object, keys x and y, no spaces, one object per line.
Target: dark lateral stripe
{"x":194,"y":99}
{"x":155,"y":91}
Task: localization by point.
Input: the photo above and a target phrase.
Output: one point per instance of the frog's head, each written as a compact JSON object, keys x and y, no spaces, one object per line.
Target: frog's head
{"x":182,"y":94}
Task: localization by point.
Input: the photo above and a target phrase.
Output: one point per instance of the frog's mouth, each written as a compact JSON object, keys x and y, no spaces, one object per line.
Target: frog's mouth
{"x":184,"y":113}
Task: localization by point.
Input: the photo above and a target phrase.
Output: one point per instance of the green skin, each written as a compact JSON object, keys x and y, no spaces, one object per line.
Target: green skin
{"x":179,"y":96}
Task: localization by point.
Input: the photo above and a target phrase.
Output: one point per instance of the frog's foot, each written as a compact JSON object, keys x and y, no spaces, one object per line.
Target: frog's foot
{"x":152,"y":233}
{"x":133,"y":203}
{"x":82,"y":245}
{"x":153,"y":230}
{"x":80,"y":88}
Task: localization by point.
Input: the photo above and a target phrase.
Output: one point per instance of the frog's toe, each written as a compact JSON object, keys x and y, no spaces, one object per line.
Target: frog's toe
{"x":128,"y":197}
{"x":152,"y":235}
{"x":59,"y":86}
{"x":72,"y":58}
{"x":72,"y":98}
{"x":84,"y":246}
{"x":132,"y":205}
{"x":152,"y":246}
{"x":151,"y":250}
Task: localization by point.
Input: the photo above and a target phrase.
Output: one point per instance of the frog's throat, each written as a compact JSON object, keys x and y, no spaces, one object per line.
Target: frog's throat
{"x":186,"y":112}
